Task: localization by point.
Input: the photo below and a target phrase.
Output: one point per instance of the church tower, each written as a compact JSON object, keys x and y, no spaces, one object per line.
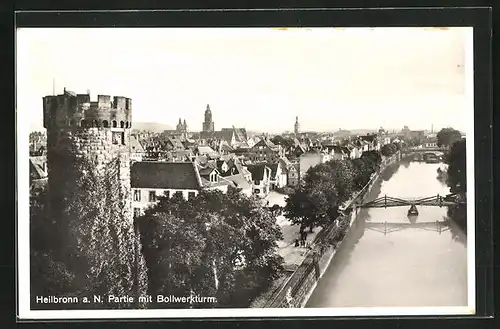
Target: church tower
{"x":296,"y":126}
{"x":96,"y":131}
{"x":208,"y":124}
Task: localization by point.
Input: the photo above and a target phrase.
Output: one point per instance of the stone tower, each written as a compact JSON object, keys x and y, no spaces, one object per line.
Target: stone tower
{"x":296,"y":126}
{"x":97,"y":131}
{"x":208,"y":125}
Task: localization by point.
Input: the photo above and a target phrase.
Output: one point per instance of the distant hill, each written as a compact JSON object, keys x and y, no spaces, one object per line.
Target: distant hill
{"x":151,"y":126}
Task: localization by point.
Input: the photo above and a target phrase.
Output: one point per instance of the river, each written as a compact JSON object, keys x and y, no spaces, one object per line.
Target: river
{"x":407,"y":267}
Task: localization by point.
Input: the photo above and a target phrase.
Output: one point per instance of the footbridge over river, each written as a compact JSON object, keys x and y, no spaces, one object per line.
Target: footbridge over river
{"x":436,"y":201}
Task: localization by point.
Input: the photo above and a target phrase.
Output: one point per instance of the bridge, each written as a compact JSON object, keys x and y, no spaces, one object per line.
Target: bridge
{"x":435,"y":201}
{"x":423,"y":150}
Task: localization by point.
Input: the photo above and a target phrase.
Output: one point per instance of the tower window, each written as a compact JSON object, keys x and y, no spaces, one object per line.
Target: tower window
{"x":123,"y":138}
{"x":122,"y":124}
{"x":105,"y":124}
{"x":114,"y":123}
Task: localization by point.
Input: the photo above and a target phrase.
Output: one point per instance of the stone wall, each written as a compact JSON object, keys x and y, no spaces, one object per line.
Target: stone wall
{"x":104,"y":154}
{"x":299,"y":287}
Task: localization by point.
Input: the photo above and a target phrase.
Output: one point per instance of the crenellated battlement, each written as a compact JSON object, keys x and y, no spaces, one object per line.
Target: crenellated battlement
{"x":70,"y":110}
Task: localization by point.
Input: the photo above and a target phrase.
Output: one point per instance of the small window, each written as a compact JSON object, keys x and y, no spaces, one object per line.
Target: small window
{"x":137,"y":212}
{"x":123,"y":138}
{"x":191,"y":195}
{"x":105,"y":124}
{"x":122,"y":124}
{"x":178,"y":193}
{"x":137,"y":195}
{"x":114,"y":123}
{"x":152,"y":196}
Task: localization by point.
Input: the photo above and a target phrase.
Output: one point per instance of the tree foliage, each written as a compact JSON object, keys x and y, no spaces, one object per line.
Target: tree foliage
{"x":285,"y":142}
{"x":447,"y":136}
{"x":215,"y":244}
{"x":91,"y":247}
{"x":389,"y":149}
{"x":327,"y":187}
{"x":457,"y":167}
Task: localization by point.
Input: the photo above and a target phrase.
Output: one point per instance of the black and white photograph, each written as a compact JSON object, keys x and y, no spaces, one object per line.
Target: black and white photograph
{"x":245,"y":172}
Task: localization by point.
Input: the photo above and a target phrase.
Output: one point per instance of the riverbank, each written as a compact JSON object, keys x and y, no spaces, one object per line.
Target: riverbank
{"x":299,"y":286}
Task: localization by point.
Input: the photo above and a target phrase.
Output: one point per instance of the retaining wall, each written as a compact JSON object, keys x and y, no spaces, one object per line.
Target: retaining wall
{"x":299,"y":287}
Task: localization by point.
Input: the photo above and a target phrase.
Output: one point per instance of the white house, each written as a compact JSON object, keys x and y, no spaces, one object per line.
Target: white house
{"x":261,"y":179}
{"x":152,"y":179}
{"x":149,"y":180}
{"x":278,"y":175}
{"x":430,"y":142}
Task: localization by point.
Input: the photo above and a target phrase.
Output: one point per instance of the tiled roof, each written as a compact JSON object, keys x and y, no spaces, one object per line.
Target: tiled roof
{"x":176,"y":143}
{"x":205,"y":171}
{"x":202,"y":150}
{"x":164,"y":175}
{"x":226,"y":134}
{"x":220,"y":182}
{"x":37,"y":167}
{"x":135,"y":146}
{"x":239,"y":181}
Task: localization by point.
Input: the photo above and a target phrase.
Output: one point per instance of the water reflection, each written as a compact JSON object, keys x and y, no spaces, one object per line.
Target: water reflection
{"x":410,"y":261}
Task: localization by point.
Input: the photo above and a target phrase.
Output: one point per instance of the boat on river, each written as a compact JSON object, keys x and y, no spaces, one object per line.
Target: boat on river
{"x":413,"y":211}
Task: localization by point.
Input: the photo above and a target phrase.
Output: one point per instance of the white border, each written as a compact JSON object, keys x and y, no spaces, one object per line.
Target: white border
{"x":23,"y":282}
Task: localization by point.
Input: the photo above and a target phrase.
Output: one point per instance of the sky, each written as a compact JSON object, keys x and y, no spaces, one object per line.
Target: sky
{"x":257,"y":78}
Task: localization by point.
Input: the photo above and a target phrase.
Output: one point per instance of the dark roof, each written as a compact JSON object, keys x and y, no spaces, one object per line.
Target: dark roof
{"x":368,"y":138}
{"x":274,"y":169}
{"x":164,"y":175}
{"x":226,"y":134}
{"x":257,"y":171}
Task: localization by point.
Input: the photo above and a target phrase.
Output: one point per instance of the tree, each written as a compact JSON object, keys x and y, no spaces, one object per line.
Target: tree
{"x":215,"y":244}
{"x":373,"y":160}
{"x":447,"y":136}
{"x":311,"y":207}
{"x":362,"y":173}
{"x":457,"y":167}
{"x":389,"y":149}
{"x":280,"y":140}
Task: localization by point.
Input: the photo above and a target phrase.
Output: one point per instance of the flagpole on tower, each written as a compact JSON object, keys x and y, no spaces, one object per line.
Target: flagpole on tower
{"x":53,"y":86}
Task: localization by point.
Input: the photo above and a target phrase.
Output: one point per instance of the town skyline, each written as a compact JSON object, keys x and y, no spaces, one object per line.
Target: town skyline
{"x":246,"y":76}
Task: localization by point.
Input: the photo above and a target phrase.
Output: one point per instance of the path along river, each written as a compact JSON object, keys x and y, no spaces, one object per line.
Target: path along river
{"x":407,"y":267}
